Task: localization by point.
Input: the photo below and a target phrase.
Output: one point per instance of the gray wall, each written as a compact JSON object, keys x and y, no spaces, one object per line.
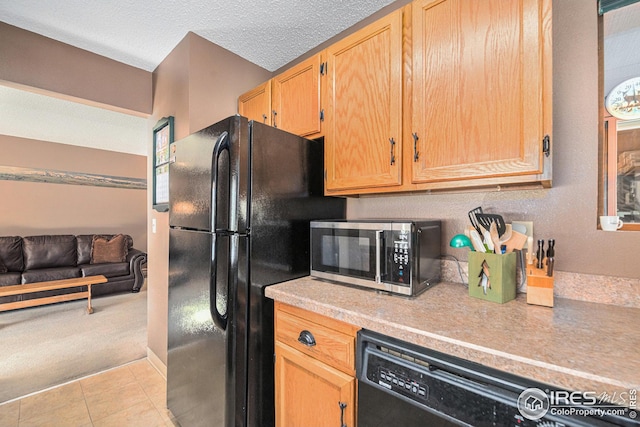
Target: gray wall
{"x":568,"y":212}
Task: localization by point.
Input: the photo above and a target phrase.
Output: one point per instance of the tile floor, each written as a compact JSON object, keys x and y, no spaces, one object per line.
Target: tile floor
{"x":130,"y":395}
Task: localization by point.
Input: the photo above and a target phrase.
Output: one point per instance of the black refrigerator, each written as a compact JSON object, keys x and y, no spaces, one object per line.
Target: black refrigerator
{"x":241,"y":195}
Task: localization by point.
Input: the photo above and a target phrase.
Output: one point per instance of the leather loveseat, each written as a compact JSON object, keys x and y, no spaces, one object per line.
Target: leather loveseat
{"x":54,"y":257}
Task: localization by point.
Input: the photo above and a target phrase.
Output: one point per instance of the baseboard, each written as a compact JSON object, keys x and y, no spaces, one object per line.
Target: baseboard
{"x":157,"y":363}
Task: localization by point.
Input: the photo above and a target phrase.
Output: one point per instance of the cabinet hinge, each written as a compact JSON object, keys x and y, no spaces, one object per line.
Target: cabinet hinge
{"x":546,"y":145}
{"x":323,"y":68}
{"x":325,"y":174}
{"x":322,"y":115}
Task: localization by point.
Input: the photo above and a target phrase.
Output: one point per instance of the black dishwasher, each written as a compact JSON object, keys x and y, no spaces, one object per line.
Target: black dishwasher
{"x":401,"y":384}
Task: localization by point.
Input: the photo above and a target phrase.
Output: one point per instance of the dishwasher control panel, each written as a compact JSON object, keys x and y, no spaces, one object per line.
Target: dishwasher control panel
{"x":401,"y":381}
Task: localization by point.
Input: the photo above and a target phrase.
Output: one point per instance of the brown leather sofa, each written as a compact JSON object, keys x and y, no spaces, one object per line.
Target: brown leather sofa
{"x":54,"y":257}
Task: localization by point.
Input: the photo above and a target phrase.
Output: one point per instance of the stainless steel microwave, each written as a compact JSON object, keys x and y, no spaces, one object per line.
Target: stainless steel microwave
{"x":396,"y":256}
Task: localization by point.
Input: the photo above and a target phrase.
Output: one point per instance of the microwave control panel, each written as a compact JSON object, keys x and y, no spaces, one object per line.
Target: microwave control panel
{"x":400,"y":258}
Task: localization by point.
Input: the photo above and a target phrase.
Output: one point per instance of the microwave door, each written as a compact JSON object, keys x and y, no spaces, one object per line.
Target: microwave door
{"x":337,"y":253}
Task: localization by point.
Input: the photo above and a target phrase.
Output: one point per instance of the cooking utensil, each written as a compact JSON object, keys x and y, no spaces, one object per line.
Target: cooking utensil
{"x":473,"y":219}
{"x":476,"y":241}
{"x":517,"y":241}
{"x":540,"y":253}
{"x":485,"y":220}
{"x":487,"y":240}
{"x":495,"y":237}
{"x":508,"y":232}
{"x":499,"y":241}
{"x":551,"y":252}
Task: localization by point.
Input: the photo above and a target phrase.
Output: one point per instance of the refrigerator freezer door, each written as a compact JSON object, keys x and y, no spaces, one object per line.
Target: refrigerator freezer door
{"x":202,"y":364}
{"x":207,"y":175}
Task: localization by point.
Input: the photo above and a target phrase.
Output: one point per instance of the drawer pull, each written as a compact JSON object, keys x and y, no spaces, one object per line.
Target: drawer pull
{"x":306,"y":338}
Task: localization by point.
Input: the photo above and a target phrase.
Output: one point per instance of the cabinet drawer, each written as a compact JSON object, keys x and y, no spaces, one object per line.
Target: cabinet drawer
{"x":327,"y":340}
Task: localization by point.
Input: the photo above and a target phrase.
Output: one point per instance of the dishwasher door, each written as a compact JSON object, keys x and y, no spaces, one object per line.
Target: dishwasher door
{"x":376,"y":408}
{"x":401,"y":384}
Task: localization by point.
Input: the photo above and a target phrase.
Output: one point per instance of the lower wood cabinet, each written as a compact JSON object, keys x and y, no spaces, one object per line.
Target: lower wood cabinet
{"x":315,"y":381}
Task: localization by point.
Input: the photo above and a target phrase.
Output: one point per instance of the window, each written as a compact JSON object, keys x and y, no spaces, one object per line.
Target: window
{"x":620,"y":141}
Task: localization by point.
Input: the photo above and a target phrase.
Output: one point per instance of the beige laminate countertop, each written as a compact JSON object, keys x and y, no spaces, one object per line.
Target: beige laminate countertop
{"x":575,"y":345}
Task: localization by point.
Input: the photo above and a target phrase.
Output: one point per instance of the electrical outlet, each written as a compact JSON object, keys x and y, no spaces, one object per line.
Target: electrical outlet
{"x":528,"y":226}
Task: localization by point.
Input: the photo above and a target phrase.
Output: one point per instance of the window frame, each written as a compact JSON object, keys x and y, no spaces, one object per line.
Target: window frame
{"x":607,"y":143}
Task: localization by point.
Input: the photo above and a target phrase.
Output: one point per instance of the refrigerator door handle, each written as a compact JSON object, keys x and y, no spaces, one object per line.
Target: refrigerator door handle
{"x":220,"y":146}
{"x":218,"y":301}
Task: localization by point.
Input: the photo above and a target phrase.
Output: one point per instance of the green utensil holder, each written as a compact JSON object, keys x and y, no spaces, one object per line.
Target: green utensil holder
{"x":492,"y":277}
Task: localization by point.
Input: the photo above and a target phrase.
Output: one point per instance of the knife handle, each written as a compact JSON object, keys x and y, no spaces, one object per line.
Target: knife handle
{"x":540,"y":253}
{"x":551,"y":249}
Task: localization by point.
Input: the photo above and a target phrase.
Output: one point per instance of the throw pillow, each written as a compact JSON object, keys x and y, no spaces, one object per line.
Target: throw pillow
{"x":3,"y":268}
{"x":109,"y":250}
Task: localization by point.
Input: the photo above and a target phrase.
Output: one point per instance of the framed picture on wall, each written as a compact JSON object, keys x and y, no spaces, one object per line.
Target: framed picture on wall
{"x":162,"y":138}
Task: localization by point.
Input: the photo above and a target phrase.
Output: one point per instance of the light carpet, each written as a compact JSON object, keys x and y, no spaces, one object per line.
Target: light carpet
{"x":45,"y":346}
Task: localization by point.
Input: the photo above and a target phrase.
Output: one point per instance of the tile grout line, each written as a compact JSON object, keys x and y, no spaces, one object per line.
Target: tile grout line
{"x":86,"y":404}
{"x":69,"y":382}
{"x":141,"y":377}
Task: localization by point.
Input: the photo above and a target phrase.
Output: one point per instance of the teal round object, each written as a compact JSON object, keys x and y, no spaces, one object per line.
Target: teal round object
{"x":460,"y":241}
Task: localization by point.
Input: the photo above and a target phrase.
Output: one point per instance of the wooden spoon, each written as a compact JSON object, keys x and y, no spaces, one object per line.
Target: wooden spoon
{"x":507,"y":234}
{"x":495,"y":238}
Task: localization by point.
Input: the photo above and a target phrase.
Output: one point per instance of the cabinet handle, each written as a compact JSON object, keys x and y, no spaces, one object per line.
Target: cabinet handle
{"x":546,"y":145}
{"x":275,"y":113}
{"x":342,"y":408}
{"x":264,"y":118}
{"x":415,"y":147}
{"x":306,"y":338}
{"x":393,"y":144}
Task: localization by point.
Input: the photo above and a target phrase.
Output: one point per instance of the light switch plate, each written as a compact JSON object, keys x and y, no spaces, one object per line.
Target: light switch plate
{"x":528,"y":225}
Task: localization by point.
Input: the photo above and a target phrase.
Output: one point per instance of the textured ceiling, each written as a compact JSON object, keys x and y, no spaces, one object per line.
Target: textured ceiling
{"x":143,"y":32}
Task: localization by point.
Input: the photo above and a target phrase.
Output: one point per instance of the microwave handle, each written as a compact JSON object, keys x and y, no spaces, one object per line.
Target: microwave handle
{"x":379,"y":234}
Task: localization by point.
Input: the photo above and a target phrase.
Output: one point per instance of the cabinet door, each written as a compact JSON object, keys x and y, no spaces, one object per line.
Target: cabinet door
{"x":479,"y":95}
{"x":310,"y":393}
{"x":296,"y":98}
{"x":363,"y":107}
{"x":256,"y":104}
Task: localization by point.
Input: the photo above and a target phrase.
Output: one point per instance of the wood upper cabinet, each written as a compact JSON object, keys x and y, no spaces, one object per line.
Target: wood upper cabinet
{"x":481,"y":92}
{"x":296,"y":98}
{"x":315,"y":381}
{"x":256,"y":104}
{"x":362,"y":98}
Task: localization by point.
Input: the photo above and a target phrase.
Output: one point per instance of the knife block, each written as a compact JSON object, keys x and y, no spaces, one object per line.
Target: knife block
{"x":539,"y":286}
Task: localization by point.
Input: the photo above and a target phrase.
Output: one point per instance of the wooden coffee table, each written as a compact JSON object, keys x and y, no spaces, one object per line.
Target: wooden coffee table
{"x":47,"y":286}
